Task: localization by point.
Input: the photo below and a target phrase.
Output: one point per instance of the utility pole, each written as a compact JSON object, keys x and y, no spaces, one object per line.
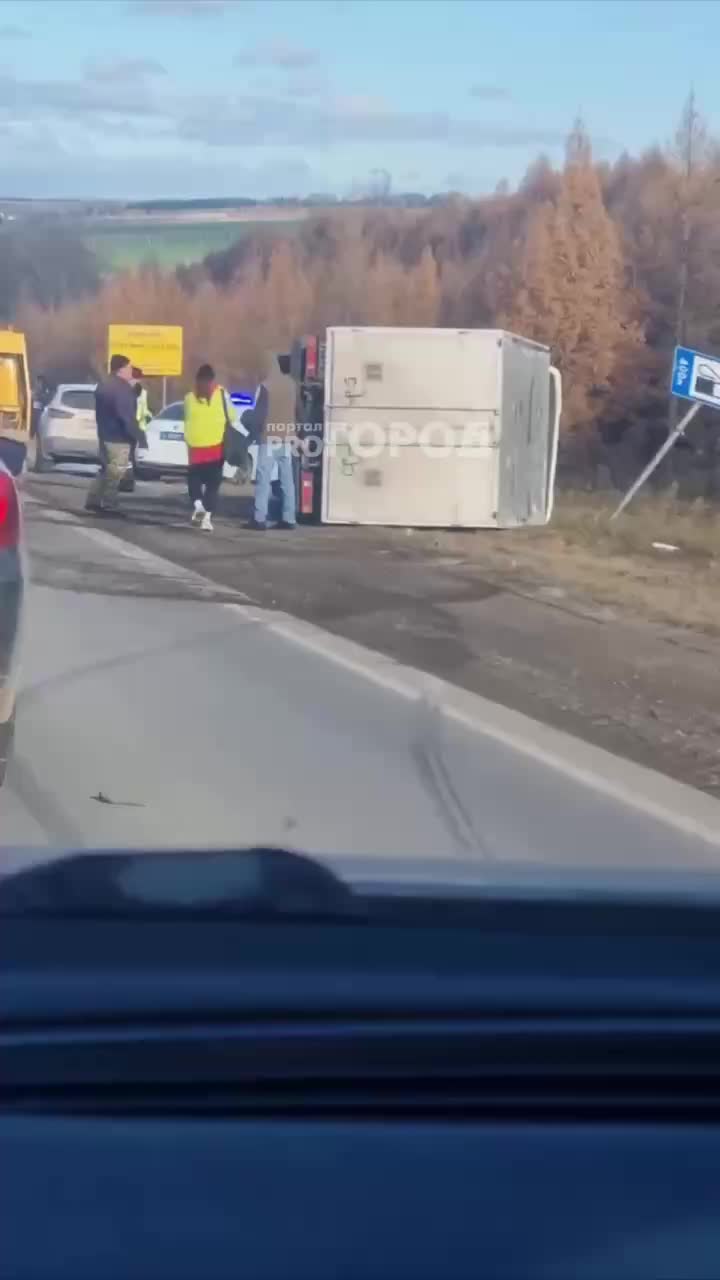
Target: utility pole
{"x":689,"y":137}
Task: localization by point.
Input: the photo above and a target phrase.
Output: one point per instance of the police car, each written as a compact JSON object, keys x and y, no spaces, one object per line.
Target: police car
{"x":166,"y":453}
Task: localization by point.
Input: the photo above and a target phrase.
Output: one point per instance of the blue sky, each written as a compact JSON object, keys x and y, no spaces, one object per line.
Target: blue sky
{"x":128,"y":98}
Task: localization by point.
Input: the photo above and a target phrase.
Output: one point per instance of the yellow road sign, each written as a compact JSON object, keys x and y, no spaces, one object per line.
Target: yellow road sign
{"x":157,"y":349}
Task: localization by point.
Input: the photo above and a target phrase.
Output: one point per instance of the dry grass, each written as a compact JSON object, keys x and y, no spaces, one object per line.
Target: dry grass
{"x":615,"y":563}
{"x":584,"y":521}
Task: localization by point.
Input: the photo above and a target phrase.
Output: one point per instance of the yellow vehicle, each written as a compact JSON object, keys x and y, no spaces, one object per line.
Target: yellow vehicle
{"x":15,"y":397}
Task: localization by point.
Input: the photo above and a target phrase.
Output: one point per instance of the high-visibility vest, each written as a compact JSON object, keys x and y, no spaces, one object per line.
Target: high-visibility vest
{"x":143,"y":411}
{"x":205,"y":420}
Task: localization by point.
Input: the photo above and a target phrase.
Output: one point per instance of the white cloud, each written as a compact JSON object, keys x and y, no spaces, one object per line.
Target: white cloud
{"x":306,"y":87}
{"x":489,"y":92}
{"x":281,"y":54}
{"x":359,"y":106}
{"x":269,"y":121}
{"x":127,"y":122}
{"x":150,"y":176}
{"x":118,"y":70}
{"x":179,"y":8}
{"x":24,"y":99}
{"x":136,"y":88}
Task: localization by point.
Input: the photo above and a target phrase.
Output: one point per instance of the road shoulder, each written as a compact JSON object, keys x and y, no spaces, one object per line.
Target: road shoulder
{"x":643,"y":690}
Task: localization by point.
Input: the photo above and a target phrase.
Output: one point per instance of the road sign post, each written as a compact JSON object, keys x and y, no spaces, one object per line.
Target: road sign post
{"x":695,"y":377}
{"x":657,"y":459}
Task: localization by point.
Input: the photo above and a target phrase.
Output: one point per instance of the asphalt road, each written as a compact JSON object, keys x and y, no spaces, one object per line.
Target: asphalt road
{"x":158,"y":709}
{"x":644,"y":691}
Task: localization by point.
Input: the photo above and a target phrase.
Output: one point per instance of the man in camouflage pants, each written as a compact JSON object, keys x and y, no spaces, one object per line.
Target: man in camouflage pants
{"x":118,"y":430}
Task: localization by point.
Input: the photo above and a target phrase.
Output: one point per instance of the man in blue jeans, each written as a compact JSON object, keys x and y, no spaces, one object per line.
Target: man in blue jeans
{"x":271,"y":423}
{"x":270,"y":452}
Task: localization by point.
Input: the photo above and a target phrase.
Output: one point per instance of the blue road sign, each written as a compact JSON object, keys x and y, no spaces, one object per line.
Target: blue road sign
{"x":244,"y":398}
{"x":696,"y":376}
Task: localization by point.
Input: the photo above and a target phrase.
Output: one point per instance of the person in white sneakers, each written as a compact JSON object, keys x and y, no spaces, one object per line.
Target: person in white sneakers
{"x":207,"y":413}
{"x":201,"y":516}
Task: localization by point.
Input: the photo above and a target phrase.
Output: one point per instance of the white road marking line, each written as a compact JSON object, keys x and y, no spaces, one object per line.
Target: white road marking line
{"x":652,"y":794}
{"x":51,"y":513}
{"x":689,"y":811}
{"x":158,"y":565}
{"x":367,"y":663}
{"x":155,"y":564}
{"x":381,"y":670}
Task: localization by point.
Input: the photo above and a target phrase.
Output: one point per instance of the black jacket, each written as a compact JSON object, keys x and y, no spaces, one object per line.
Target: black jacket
{"x":255,"y":420}
{"x":116,"y":412}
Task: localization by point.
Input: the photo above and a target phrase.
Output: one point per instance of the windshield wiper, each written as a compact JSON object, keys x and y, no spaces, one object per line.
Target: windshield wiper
{"x":248,"y":883}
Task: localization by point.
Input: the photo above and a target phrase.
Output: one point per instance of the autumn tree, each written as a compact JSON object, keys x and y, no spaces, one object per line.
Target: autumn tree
{"x":423,"y":291}
{"x":696,"y":167}
{"x":570,"y":289}
{"x":574,"y":258}
{"x":43,"y":262}
{"x":666,"y":204}
{"x":386,"y":302}
{"x":287,"y":294}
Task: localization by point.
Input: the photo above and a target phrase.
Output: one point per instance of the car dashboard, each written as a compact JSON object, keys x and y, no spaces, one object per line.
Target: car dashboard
{"x":413,"y":1087}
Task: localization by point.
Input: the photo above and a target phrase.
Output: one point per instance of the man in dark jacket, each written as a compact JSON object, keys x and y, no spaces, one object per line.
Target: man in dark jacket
{"x":117,"y":428}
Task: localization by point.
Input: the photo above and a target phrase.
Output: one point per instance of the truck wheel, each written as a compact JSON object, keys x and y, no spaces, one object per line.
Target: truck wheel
{"x":127,"y":484}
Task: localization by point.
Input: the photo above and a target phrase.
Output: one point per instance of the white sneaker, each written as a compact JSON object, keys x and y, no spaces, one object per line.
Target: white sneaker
{"x":207,"y":523}
{"x":198,"y":511}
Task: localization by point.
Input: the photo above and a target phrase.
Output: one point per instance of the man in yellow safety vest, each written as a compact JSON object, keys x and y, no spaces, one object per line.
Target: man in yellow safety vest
{"x":143,"y":409}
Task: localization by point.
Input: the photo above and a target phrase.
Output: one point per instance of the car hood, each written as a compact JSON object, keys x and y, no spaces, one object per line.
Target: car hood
{"x":189,"y":877}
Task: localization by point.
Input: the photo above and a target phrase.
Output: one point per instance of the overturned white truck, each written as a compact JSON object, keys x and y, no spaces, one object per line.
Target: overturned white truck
{"x":427,"y":427}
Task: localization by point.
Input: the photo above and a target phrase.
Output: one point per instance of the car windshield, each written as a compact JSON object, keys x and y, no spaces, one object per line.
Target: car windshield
{"x":172,"y":412}
{"x":391,"y":530}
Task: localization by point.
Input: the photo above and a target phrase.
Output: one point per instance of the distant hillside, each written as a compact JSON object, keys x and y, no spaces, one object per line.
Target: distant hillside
{"x":121,"y":244}
{"x":400,"y":200}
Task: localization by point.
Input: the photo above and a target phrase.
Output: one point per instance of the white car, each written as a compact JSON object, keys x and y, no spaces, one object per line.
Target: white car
{"x":66,"y":429}
{"x":166,"y":452}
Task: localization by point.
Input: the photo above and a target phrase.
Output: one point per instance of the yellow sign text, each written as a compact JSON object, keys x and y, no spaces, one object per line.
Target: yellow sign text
{"x":157,"y":349}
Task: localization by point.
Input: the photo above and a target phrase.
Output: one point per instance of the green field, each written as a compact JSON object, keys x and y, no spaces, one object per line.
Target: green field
{"x":123,"y":245}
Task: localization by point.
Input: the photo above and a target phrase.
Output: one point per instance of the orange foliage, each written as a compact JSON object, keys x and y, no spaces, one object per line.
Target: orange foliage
{"x":570,"y":290}
{"x":608,"y":266}
{"x":233,"y":326}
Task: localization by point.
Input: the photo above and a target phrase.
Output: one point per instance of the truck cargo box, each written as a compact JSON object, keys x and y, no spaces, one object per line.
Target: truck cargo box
{"x":438,"y":427}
